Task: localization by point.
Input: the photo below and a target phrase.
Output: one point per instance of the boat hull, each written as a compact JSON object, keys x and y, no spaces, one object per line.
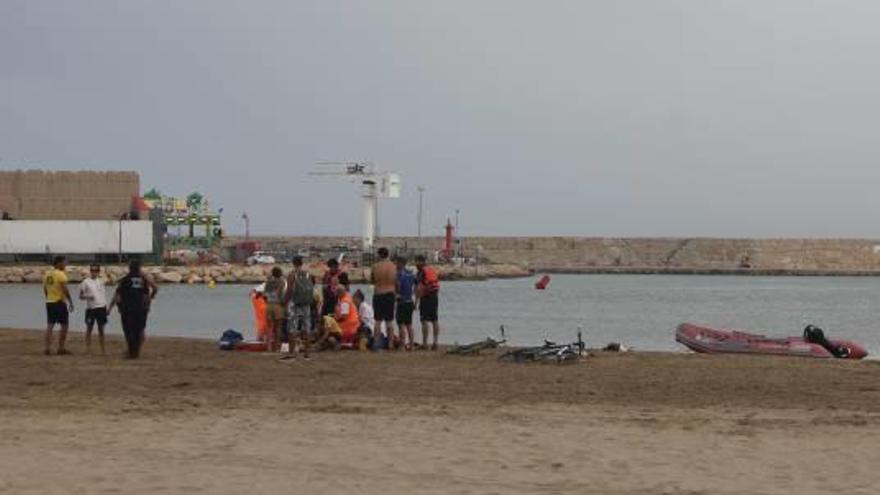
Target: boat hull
{"x":717,"y":341}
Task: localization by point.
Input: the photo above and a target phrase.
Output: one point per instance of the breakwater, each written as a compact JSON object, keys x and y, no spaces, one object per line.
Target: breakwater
{"x":642,"y":255}
{"x":239,"y":274}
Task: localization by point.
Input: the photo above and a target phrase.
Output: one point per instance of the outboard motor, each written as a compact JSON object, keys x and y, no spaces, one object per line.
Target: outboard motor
{"x":815,"y":335}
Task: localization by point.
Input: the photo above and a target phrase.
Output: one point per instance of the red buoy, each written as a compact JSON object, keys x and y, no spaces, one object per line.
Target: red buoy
{"x":543,"y":283}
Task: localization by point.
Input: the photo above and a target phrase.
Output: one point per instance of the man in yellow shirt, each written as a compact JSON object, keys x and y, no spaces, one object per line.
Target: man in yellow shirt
{"x":58,"y":302}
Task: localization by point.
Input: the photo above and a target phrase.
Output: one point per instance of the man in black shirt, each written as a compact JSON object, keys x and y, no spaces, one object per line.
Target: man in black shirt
{"x":133,"y":296}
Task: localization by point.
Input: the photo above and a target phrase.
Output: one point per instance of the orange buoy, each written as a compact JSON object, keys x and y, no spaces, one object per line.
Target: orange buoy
{"x":543,"y":283}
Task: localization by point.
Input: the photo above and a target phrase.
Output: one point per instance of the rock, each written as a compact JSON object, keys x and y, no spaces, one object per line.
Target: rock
{"x":193,"y":279}
{"x":115,"y":272}
{"x":250,"y":278}
{"x":32,"y":277}
{"x":219,"y":271}
{"x":253,"y":274}
{"x":169,"y":278}
{"x":152,"y":271}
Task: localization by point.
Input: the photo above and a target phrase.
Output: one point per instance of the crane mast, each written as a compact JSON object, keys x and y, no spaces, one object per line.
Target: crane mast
{"x":373,"y":184}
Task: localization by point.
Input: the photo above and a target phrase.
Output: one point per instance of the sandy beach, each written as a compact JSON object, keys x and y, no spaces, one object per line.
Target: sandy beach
{"x":188,"y":418}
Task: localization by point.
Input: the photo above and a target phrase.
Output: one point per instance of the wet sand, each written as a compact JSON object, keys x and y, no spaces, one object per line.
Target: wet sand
{"x":187,"y":418}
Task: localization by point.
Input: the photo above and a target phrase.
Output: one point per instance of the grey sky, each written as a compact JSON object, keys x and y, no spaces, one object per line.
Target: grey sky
{"x":711,"y":118}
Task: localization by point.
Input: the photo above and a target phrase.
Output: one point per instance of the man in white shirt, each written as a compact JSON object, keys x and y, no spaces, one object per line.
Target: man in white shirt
{"x":92,"y":291}
{"x":366,"y":313}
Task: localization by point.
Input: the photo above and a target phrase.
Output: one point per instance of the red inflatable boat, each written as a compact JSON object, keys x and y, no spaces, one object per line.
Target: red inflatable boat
{"x":716,"y":341}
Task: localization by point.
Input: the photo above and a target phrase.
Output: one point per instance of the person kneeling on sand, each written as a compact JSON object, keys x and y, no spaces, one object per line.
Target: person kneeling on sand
{"x":340,"y":328}
{"x":329,"y":335}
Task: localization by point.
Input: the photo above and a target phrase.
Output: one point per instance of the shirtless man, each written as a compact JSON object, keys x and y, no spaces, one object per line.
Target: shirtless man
{"x":384,"y":277}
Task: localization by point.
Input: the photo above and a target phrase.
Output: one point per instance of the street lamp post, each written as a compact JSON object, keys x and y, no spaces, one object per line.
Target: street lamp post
{"x":421,"y":205}
{"x":457,"y":237}
{"x":119,"y":254}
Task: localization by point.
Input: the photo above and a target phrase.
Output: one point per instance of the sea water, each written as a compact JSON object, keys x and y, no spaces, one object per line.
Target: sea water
{"x":640,"y":311}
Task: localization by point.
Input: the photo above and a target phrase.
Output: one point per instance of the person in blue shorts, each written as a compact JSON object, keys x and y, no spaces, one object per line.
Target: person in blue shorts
{"x":406,"y":289}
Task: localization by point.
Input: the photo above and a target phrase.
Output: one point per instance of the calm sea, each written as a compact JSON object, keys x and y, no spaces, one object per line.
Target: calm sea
{"x":640,"y":311}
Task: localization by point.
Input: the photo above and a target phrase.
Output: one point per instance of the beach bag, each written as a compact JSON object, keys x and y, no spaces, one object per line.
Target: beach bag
{"x":378,"y":342}
{"x":303,"y":290}
{"x":229,"y":339}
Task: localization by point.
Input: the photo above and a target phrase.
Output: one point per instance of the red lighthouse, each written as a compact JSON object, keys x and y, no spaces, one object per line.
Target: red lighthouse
{"x":448,"y":249}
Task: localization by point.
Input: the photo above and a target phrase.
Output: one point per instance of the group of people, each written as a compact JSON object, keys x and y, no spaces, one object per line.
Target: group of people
{"x":332,"y":317}
{"x":328,"y":316}
{"x":133,"y":295}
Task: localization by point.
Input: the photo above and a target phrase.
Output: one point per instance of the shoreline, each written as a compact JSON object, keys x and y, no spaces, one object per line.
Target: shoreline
{"x":605,"y":370}
{"x":241,"y":274}
{"x":743,"y":272}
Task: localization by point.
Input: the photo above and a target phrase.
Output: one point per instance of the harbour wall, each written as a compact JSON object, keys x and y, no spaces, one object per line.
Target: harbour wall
{"x":641,"y":255}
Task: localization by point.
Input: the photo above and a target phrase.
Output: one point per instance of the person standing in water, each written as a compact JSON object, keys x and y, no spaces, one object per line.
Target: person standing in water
{"x":59,"y":305}
{"x":134,"y":295}
{"x":428,"y":294}
{"x":384,"y":278}
{"x":92,"y":291}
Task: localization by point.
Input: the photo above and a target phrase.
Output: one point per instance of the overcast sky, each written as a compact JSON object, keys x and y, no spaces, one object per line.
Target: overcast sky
{"x":596,"y":118}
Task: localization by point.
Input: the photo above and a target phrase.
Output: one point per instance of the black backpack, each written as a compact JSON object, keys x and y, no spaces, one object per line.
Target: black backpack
{"x":303,"y":288}
{"x":229,"y":339}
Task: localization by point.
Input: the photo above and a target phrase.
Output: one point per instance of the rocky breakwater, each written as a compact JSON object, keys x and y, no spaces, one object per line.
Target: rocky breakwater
{"x":240,"y":274}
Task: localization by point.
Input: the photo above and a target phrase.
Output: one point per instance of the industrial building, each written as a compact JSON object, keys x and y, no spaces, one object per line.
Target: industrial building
{"x":45,"y":195}
{"x":84,"y":215}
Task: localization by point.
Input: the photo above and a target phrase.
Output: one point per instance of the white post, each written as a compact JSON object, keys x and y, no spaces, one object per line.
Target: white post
{"x":370,"y":207}
{"x":421,"y":198}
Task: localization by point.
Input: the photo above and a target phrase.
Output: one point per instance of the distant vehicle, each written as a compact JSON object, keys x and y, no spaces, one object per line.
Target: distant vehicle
{"x":260,"y":258}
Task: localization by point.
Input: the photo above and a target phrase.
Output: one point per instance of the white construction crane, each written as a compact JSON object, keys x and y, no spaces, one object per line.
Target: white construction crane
{"x":374,"y":184}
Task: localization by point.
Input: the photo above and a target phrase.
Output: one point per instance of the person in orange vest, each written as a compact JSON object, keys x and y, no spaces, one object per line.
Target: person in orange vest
{"x":428,"y":294}
{"x":258,"y":301}
{"x":341,"y":327}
